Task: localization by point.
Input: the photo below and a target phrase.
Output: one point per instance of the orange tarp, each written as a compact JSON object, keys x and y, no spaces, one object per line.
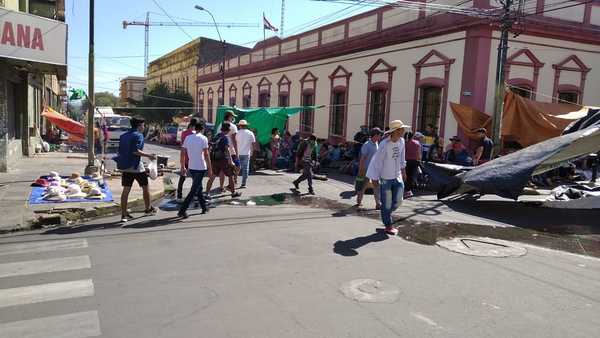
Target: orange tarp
{"x":61,"y":121}
{"x":523,"y":120}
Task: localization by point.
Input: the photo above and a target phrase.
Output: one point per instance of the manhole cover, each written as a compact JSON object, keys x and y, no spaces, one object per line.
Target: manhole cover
{"x":370,"y":291}
{"x":483,"y":247}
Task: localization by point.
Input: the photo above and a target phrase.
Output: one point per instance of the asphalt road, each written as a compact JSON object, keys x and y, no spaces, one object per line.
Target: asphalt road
{"x":281,"y":271}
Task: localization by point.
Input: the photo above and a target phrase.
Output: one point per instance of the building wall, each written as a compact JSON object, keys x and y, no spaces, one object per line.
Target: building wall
{"x":177,"y":69}
{"x":132,"y":88}
{"x":549,"y":52}
{"x":402,"y":99}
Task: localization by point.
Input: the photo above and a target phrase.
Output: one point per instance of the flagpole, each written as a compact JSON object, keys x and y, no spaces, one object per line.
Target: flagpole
{"x":264,"y":31}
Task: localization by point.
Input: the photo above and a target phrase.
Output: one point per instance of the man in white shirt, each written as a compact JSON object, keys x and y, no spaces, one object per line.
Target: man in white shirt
{"x":388,"y":167}
{"x":195,"y":152}
{"x":245,"y":141}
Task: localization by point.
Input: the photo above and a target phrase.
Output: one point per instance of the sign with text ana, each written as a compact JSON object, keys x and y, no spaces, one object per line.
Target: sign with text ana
{"x":33,"y":38}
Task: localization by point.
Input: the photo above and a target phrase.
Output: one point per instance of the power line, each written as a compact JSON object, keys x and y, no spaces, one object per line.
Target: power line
{"x":171,"y":18}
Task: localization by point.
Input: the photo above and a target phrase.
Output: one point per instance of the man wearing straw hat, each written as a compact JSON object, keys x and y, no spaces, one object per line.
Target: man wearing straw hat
{"x":388,"y":167}
{"x":245,"y":141}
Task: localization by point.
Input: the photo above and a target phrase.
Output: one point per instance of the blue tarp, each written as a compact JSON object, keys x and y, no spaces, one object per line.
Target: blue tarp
{"x":38,"y":192}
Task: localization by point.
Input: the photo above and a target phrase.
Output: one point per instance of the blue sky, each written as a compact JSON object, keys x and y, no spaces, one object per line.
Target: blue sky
{"x":128,"y":44}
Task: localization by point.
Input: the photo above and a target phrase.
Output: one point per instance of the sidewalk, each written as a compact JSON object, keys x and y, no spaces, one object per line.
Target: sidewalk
{"x":15,"y":189}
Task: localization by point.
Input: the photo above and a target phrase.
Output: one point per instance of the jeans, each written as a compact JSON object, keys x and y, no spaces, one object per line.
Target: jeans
{"x":197,"y":177}
{"x":245,"y":167}
{"x":180,"y":186}
{"x":392,"y":192}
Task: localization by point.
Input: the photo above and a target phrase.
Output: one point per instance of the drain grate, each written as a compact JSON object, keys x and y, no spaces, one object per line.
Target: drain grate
{"x":482,"y":247}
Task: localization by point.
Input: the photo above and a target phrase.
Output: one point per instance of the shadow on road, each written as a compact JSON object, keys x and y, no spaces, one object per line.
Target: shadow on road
{"x":348,"y":247}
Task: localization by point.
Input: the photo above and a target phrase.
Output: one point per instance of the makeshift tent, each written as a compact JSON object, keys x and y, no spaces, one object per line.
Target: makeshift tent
{"x":506,"y":176}
{"x":591,"y":119}
{"x":71,"y":126}
{"x":525,"y":121}
{"x":261,"y":119}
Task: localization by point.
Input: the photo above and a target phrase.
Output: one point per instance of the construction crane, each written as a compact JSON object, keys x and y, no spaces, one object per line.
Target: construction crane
{"x":147,"y":23}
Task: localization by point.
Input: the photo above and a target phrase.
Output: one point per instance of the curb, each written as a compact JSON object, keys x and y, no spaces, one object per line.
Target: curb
{"x":68,"y":216}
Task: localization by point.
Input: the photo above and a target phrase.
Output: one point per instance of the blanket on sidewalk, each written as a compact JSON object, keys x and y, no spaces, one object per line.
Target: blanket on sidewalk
{"x":37,"y":193}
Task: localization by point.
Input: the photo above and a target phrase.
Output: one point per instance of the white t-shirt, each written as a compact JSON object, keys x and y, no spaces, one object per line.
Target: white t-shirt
{"x":194,"y":145}
{"x":245,"y":138}
{"x":388,"y":161}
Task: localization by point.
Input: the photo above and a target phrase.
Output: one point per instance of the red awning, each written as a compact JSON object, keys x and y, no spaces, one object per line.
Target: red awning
{"x":61,"y":121}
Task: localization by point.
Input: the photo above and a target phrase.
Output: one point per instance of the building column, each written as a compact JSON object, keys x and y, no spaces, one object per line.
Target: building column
{"x":476,"y":66}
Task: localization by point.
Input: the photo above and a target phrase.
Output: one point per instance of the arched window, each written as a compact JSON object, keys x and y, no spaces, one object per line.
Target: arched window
{"x":209,"y":108}
{"x":232,"y":95}
{"x":201,"y":102}
{"x":221,"y":97}
{"x":378,"y":93}
{"x":340,"y":82}
{"x":264,"y":92}
{"x":247,"y":98}
{"x":569,"y":80}
{"x":525,"y":62}
{"x":308,"y":84}
{"x":284,"y":91}
{"x":430,"y":104}
{"x":431,"y":92}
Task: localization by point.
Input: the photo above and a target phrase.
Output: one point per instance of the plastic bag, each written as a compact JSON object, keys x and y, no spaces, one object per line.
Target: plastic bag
{"x":153,"y":170}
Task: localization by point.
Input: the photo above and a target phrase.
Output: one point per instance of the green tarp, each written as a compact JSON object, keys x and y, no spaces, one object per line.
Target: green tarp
{"x":263,"y":120}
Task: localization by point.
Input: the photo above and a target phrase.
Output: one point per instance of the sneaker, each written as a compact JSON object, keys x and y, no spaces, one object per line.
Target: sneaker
{"x":391,"y":231}
{"x":183,"y":214}
{"x":151,"y":211}
{"x":236,"y":194}
{"x":243,"y":186}
{"x":408,"y":194}
{"x":378,"y":207}
{"x":311,"y":192}
{"x":204,"y":211}
{"x":179,"y":200}
{"x":296,"y":185}
{"x":207,"y":197}
{"x":125,"y":218}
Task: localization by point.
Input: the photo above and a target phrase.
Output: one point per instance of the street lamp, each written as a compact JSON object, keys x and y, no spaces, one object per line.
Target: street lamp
{"x":222,"y":67}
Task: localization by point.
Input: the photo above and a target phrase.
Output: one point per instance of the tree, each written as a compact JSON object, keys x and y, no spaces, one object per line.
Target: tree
{"x":106,"y":99}
{"x":168,"y":104}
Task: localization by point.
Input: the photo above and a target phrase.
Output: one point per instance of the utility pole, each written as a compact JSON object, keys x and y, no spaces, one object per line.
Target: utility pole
{"x":91,"y":168}
{"x":146,"y":43}
{"x":506,"y":22}
{"x":223,"y":72}
{"x":282,"y":18}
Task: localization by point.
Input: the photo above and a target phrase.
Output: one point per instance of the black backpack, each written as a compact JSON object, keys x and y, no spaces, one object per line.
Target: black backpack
{"x":218,"y":148}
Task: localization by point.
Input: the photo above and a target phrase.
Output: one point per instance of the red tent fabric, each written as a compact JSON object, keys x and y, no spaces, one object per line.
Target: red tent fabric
{"x":70,"y":126}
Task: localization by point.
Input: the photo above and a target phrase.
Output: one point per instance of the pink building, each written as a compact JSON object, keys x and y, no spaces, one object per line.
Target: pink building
{"x":394,"y":63}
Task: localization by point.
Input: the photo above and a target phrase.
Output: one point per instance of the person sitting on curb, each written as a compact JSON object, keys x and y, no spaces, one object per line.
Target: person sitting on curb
{"x":388,"y":167}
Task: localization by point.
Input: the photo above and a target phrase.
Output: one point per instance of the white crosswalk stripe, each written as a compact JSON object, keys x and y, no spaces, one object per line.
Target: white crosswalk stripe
{"x":72,"y":325}
{"x":44,"y":266}
{"x":30,"y":247}
{"x":46,"y":292}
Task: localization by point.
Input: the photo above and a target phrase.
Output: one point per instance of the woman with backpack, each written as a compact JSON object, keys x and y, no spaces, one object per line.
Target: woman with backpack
{"x":222,"y":160}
